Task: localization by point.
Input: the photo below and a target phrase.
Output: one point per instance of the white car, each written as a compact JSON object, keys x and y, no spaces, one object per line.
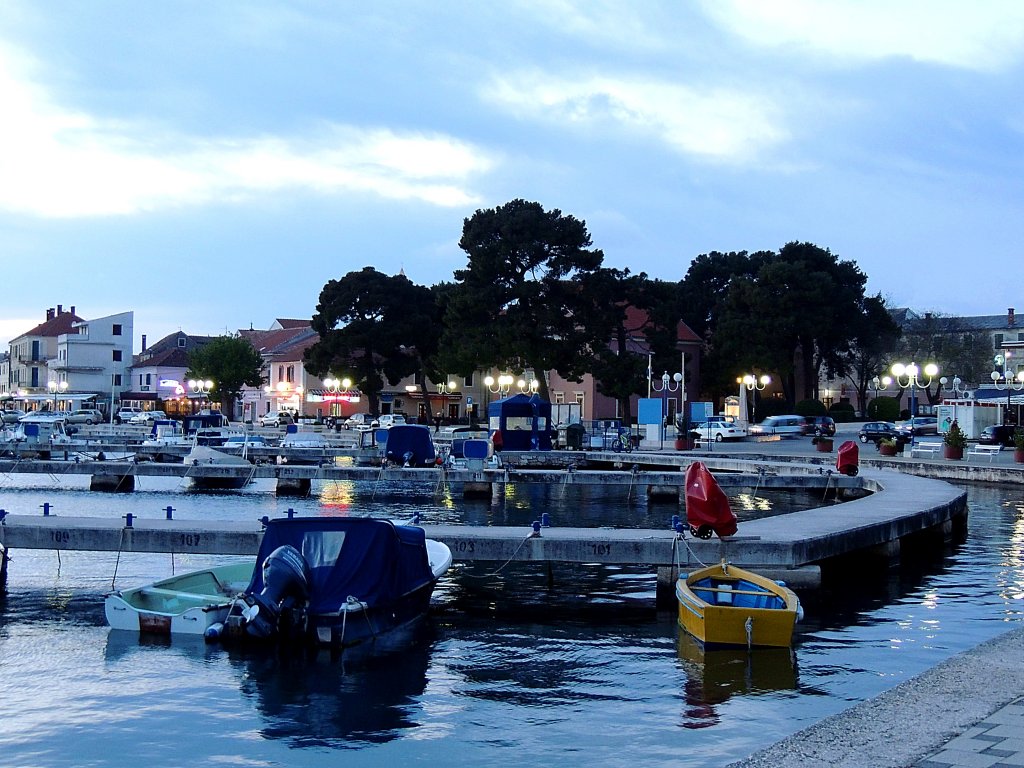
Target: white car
{"x":358,"y":421}
{"x":719,"y":428}
{"x":148,"y":417}
{"x":276,"y":419}
{"x":390,"y":419}
{"x":125,"y":415}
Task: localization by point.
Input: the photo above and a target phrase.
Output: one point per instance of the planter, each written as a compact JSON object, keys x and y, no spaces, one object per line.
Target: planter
{"x":1018,"y":455}
{"x":824,"y":446}
{"x":952,"y":453}
{"x":684,"y":444}
{"x":887,"y":450}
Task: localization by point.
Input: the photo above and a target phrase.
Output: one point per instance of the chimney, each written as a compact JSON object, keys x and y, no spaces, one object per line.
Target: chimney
{"x":1010,"y":319}
{"x":60,"y":310}
{"x":49,"y":313}
{"x":72,"y":310}
{"x":143,"y":342}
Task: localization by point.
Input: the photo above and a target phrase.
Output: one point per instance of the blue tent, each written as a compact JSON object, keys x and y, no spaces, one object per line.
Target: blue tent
{"x":374,"y":560}
{"x":523,"y":422}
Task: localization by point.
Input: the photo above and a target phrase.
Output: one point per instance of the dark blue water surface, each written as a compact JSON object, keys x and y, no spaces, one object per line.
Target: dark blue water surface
{"x":510,"y":667}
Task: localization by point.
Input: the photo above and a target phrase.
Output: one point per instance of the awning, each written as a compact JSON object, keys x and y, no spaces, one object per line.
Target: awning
{"x":138,"y":396}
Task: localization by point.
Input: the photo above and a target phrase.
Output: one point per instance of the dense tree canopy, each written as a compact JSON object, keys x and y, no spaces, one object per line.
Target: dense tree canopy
{"x":522,"y":301}
{"x":231,"y":363}
{"x":375,"y":326}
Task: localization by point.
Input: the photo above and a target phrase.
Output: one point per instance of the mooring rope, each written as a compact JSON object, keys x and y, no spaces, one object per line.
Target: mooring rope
{"x":503,"y":565}
{"x":117,"y":562}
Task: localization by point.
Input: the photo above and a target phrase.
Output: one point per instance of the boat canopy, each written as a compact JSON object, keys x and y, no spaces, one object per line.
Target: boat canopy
{"x":523,"y":421}
{"x":372,"y":560}
{"x":409,"y":445}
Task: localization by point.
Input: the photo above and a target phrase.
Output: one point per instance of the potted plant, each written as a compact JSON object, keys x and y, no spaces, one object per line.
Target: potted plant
{"x":1018,"y":445}
{"x":823,"y":443}
{"x":887,"y":446}
{"x":955,"y":441}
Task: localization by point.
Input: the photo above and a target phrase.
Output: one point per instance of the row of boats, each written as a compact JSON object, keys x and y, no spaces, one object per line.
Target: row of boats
{"x":342,"y":581}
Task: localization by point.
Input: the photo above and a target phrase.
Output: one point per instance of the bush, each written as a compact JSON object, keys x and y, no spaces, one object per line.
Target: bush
{"x":884,"y":409}
{"x":810,"y":408}
{"x":772,"y":406}
{"x":955,"y":437}
{"x":1018,"y":439}
{"x":842,"y":413}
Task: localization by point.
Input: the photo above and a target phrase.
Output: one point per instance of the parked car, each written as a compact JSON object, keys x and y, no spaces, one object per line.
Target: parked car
{"x":390,"y":419}
{"x":276,"y":419}
{"x":12,"y":416}
{"x":919,"y":425}
{"x":789,"y":425}
{"x":718,"y":428}
{"x":873,"y":431}
{"x":126,"y":414}
{"x":86,"y":416}
{"x":998,"y":434}
{"x":148,"y":417}
{"x":358,"y":421}
{"x":820,"y":426}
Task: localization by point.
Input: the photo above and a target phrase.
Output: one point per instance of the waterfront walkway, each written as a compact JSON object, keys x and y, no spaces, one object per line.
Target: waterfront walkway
{"x":967,"y":712}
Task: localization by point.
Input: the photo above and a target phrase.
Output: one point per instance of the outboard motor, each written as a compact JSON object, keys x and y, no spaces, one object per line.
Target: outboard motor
{"x":286,"y":580}
{"x":848,"y":458}
{"x":707,"y":506}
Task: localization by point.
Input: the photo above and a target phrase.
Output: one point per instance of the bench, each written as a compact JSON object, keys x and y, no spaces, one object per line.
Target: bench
{"x":925,"y":446}
{"x":984,"y":450}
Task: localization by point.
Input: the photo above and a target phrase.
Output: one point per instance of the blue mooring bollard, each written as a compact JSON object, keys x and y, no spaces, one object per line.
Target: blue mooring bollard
{"x":128,"y":520}
{"x":291,"y":513}
{"x":3,"y":514}
{"x":675,"y":522}
{"x":264,"y":520}
{"x":169,"y":510}
{"x":46,"y":508}
{"x":536,"y":527}
{"x":545,"y":520}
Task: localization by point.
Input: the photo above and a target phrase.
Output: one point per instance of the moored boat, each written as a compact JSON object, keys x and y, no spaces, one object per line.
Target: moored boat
{"x":724,"y":605}
{"x":188,"y":603}
{"x":336,"y":581}
{"x":205,"y":456}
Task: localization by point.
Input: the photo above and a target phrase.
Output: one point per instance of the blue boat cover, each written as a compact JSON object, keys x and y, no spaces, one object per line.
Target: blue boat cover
{"x":372,"y":560}
{"x":414,"y":439}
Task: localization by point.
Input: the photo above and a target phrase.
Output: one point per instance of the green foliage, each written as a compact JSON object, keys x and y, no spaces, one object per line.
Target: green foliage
{"x":231,"y":363}
{"x":884,"y":408}
{"x":772,"y":406}
{"x":374,"y":326}
{"x":1018,"y":439}
{"x":842,"y":413}
{"x":809,"y":408}
{"x":525,"y":299}
{"x":955,"y":437}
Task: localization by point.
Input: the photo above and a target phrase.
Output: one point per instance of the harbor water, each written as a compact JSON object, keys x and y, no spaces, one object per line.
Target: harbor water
{"x":514,"y":665}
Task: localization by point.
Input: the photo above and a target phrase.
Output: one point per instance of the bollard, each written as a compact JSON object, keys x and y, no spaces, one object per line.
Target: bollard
{"x":536,"y":527}
{"x":291,"y":513}
{"x":128,"y":520}
{"x":264,"y":520}
{"x":3,"y":514}
{"x":545,"y":520}
{"x":169,"y":510}
{"x":416,"y":519}
{"x":675,"y":522}
{"x":46,"y":508}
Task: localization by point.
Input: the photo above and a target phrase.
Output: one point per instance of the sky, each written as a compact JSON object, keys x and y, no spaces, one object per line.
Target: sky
{"x":210,"y":166}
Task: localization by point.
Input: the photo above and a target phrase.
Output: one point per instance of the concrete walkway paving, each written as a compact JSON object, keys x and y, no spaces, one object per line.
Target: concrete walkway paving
{"x":967,"y":712}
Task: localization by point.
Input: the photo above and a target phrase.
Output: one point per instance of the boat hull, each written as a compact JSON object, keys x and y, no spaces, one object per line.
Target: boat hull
{"x":728,"y":606}
{"x":187,"y":604}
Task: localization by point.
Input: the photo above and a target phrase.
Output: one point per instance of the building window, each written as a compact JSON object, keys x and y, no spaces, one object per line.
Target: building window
{"x":579,"y":398}
{"x":181,"y":341}
{"x":117,"y":329}
{"x":117,"y":379}
{"x":559,"y":398}
{"x":997,"y":341}
{"x":291,"y":374}
{"x":467,"y":383}
{"x":117,"y":355}
{"x":149,"y":379}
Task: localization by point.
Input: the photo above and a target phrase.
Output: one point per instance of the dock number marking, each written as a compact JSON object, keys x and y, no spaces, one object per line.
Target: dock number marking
{"x":60,"y":537}
{"x":600,"y":549}
{"x":467,"y":547}
{"x":190,"y":539}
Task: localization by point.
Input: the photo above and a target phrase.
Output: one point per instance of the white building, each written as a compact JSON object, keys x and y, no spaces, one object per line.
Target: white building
{"x":94,"y":357}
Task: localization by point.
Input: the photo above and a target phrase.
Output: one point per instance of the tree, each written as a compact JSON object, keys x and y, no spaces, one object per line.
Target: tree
{"x":875,"y":336}
{"x":231,"y":362}
{"x":944,"y":340}
{"x":521,"y":302}
{"x":376,"y":326}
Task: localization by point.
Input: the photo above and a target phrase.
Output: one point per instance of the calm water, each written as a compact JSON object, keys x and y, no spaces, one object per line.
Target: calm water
{"x":506,"y":670}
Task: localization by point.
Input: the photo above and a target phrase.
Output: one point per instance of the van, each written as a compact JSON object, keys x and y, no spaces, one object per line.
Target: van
{"x":784,"y":426}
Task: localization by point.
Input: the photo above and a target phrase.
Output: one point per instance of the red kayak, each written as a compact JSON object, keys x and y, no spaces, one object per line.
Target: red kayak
{"x":707,"y":506}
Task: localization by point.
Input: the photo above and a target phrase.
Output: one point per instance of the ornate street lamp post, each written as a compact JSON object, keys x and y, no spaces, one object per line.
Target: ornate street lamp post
{"x":1010,"y":383}
{"x":909,"y":375}
{"x":754,"y":384}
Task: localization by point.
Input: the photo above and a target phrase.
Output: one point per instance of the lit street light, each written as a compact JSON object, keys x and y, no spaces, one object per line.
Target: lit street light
{"x":55,"y":387}
{"x":909,"y":375}
{"x":1010,"y":383}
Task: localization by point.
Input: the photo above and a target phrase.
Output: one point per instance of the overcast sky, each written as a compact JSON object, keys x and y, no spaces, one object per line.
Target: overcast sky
{"x":210,"y":165}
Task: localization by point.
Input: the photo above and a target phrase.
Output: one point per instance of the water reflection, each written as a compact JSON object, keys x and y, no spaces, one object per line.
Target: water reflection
{"x":319,"y":699}
{"x":715,"y":675}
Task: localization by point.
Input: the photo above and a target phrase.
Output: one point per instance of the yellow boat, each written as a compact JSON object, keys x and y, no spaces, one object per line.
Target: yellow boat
{"x":726,"y":605}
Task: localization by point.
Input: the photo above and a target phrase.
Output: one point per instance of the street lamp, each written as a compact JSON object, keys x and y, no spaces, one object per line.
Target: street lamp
{"x":444,"y":389}
{"x":909,"y":375}
{"x":668,"y":384}
{"x":530,"y":386}
{"x":1009,"y":383}
{"x":201,"y":387}
{"x":336,"y":388}
{"x":55,"y":387}
{"x":754,"y":384}
{"x":958,"y":387}
{"x":501,"y":386}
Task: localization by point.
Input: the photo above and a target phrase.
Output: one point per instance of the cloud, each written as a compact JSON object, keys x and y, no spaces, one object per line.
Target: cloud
{"x":56,"y":162}
{"x":714,"y":123}
{"x":984,"y":36}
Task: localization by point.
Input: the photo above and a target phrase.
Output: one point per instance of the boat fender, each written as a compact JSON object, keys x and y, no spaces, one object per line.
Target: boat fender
{"x":214,"y":631}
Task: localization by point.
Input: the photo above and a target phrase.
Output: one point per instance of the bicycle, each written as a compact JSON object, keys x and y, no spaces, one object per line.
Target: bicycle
{"x":623,"y":441}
